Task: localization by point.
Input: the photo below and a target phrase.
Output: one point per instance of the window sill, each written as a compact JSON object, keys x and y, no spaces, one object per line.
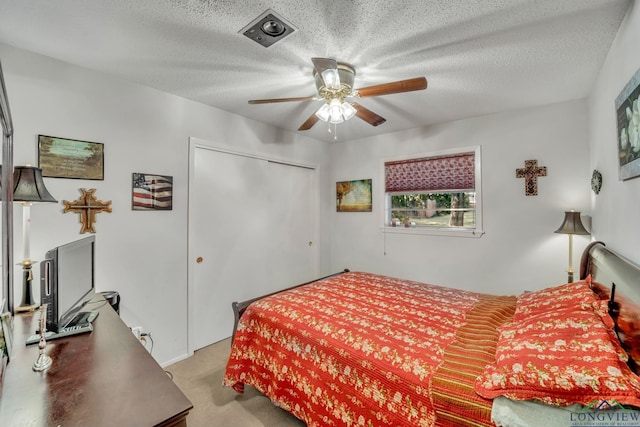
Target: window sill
{"x":432,"y":231}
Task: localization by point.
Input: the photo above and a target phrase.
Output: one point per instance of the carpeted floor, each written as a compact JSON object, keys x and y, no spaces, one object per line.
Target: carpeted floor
{"x":200,"y":379}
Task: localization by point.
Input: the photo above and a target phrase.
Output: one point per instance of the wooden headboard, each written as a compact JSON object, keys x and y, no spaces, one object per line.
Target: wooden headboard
{"x":607,"y":267}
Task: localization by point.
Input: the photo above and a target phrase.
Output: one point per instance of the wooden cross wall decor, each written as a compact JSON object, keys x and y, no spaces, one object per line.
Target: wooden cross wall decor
{"x":530,"y":172}
{"x":88,"y":207}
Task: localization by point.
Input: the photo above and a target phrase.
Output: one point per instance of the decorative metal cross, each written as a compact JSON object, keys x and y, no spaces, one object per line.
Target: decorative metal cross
{"x":530,"y":173}
{"x":87,"y":206}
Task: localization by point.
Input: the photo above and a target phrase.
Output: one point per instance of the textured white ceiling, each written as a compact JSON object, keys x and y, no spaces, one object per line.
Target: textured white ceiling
{"x":479,"y":56}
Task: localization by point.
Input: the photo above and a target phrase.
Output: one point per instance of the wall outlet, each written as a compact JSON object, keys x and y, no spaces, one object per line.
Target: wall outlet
{"x":137,"y":332}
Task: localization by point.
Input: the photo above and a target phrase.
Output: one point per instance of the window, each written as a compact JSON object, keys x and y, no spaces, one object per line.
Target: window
{"x":437,"y":193}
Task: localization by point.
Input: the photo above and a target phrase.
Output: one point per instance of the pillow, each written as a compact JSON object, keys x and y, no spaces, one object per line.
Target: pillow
{"x":560,"y":359}
{"x":600,"y":290}
{"x":628,"y":321}
{"x":564,"y":297}
{"x":601,"y":307}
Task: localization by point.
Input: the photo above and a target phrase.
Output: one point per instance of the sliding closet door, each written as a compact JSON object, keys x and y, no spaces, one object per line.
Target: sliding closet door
{"x":252,"y":224}
{"x":291,"y":220}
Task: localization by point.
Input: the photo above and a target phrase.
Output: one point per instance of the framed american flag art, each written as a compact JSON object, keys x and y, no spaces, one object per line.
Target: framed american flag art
{"x":152,"y":192}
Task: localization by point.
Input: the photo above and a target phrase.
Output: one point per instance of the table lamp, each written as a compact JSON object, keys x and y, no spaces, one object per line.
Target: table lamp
{"x":571,"y":225}
{"x":28,"y":188}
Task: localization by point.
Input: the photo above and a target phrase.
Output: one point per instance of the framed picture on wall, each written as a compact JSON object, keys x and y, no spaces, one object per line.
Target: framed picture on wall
{"x":151,"y":192}
{"x":70,"y":158}
{"x":353,"y":196}
{"x":628,"y":117}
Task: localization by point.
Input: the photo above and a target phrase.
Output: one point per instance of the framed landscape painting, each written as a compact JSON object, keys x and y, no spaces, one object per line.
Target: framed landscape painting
{"x":353,"y":196}
{"x":70,"y":158}
{"x":628,"y":117}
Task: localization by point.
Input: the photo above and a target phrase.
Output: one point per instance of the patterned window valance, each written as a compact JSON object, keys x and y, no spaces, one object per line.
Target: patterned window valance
{"x":441,"y":173}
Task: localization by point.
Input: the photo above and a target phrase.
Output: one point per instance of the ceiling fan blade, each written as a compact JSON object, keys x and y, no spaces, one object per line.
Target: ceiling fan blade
{"x":272,"y":100}
{"x":308,"y":124}
{"x":419,"y":83}
{"x":327,"y":69}
{"x":367,"y":115}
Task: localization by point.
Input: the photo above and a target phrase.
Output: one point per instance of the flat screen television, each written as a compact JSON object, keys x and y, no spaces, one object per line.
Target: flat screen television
{"x":67,"y":281}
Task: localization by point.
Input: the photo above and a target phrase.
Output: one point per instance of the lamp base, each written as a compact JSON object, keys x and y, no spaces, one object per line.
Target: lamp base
{"x":27,"y":304}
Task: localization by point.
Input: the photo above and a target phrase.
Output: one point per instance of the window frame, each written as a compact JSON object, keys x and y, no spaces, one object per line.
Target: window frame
{"x":476,"y":232}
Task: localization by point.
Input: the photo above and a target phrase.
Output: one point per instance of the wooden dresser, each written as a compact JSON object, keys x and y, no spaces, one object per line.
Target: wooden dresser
{"x":102,"y":378}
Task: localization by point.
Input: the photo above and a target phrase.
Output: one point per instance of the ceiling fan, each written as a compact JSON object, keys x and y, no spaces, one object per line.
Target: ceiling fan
{"x":334,"y":83}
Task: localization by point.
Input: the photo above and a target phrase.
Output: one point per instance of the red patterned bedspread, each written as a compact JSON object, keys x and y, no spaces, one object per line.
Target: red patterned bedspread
{"x":359,"y":349}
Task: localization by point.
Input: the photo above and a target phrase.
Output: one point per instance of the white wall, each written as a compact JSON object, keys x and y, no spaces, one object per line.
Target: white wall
{"x":519,"y":250}
{"x":142,"y":255}
{"x":616,"y":209}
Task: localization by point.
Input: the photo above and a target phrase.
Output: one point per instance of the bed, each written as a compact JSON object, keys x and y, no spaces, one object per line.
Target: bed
{"x":360,"y":349}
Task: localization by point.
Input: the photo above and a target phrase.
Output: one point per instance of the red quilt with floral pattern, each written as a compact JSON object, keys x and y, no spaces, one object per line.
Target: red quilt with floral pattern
{"x":359,"y":349}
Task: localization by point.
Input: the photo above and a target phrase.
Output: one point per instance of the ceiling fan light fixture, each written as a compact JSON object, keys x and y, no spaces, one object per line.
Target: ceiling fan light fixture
{"x":331,"y":79}
{"x":323,"y":113}
{"x":348,"y":111}
{"x":341,"y":84}
{"x":335,"y":111}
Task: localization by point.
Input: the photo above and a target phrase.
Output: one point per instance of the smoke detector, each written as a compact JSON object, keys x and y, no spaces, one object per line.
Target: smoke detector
{"x":268,"y":28}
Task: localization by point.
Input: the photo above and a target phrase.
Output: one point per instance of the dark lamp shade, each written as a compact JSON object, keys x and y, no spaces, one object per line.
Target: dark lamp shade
{"x":28,"y":185}
{"x":572,"y":224}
